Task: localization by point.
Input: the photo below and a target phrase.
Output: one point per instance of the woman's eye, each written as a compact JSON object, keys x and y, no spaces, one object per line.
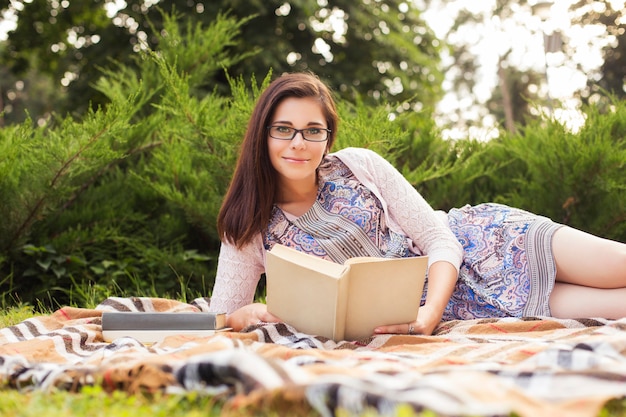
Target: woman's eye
{"x":313,"y":131}
{"x":283,"y":129}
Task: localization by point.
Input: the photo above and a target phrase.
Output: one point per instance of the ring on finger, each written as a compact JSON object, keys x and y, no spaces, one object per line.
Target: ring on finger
{"x":411,"y":329}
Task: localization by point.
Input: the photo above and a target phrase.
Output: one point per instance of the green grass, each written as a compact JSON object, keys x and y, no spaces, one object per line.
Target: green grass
{"x":13,"y":315}
{"x":94,"y":402}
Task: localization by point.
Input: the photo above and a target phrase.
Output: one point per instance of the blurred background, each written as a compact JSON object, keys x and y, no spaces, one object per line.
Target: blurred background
{"x":475,"y":64}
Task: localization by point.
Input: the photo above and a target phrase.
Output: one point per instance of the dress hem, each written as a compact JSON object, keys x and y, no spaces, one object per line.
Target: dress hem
{"x":541,"y":267}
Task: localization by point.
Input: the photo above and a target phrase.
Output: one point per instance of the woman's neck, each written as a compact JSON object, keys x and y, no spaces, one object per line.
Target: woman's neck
{"x":297,"y":197}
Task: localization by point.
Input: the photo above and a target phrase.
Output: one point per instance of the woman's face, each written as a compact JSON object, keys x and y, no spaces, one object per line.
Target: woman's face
{"x":296,"y":160}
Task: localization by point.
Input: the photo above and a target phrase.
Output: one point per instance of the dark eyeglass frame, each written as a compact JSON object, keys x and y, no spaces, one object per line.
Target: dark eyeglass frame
{"x":301,"y":131}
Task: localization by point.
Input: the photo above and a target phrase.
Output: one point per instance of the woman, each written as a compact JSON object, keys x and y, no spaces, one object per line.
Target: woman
{"x":484,"y":261}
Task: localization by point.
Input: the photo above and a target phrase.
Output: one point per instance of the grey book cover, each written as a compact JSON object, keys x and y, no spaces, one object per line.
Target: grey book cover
{"x":162,"y":321}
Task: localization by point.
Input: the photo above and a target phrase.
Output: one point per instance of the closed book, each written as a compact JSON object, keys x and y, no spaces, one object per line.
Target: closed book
{"x":343,"y":301}
{"x":151,"y":327}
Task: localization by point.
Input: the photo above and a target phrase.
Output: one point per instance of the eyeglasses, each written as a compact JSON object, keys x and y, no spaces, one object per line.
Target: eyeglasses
{"x":312,"y":134}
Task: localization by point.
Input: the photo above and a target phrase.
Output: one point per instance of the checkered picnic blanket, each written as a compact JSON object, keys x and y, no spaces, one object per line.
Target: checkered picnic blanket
{"x":535,"y":366}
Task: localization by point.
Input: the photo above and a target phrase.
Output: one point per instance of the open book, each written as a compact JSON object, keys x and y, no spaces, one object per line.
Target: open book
{"x":152,"y":327}
{"x":342,"y":302}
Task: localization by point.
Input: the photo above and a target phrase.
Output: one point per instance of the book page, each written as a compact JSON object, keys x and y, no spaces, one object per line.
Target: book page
{"x":382,"y":293}
{"x":324,"y":298}
{"x":364,"y":259}
{"x":308,"y":261}
{"x":155,"y":336}
{"x":304,"y":292}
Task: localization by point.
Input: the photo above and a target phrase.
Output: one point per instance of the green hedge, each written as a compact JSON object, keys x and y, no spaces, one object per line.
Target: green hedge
{"x":123,"y":201}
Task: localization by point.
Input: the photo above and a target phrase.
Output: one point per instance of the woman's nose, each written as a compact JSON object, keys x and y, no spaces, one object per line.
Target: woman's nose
{"x":298,"y":141}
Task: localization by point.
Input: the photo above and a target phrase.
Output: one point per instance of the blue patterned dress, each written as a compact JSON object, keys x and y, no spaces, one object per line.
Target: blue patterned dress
{"x":507,"y":267}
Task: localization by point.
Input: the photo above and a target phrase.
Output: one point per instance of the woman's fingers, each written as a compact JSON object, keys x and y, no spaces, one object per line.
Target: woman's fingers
{"x":405,"y":328}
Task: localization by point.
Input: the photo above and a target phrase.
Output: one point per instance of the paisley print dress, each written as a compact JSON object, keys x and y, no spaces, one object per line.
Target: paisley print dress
{"x":508,"y":268}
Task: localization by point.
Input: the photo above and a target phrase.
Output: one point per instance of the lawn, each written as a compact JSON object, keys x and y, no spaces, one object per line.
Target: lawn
{"x":94,"y":402}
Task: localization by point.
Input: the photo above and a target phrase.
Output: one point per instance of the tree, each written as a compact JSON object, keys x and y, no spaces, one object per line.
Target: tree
{"x":511,"y":101}
{"x":125,"y":196}
{"x":611,"y":76}
{"x":382,"y":48}
{"x":517,"y":83}
{"x":492,"y":90}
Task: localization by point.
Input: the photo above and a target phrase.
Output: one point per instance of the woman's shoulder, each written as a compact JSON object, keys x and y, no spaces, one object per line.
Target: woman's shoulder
{"x":356,"y":154}
{"x":363,"y":160}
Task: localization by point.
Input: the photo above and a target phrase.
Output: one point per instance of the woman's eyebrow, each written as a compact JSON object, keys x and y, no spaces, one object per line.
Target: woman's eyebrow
{"x":287,"y":122}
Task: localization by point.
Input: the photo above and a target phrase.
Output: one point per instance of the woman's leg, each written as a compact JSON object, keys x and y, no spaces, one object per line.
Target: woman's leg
{"x":591,"y":276}
{"x":570,"y":301}
{"x":585,"y":259}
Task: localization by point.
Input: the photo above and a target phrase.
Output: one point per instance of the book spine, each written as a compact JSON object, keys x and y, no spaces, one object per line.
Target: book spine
{"x":341,"y":308}
{"x":161,"y":321}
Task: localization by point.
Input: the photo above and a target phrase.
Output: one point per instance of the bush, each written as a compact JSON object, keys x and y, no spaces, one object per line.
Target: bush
{"x":124,"y":201}
{"x":574,"y":178}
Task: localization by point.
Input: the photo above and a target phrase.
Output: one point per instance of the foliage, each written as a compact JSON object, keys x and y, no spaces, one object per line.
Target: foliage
{"x":611,"y":77}
{"x":573,"y":178}
{"x":113,"y":200}
{"x":497,"y":25}
{"x":516,"y":93}
{"x":123,"y":201}
{"x":576,"y":179}
{"x":382,"y":48}
{"x":94,"y":402}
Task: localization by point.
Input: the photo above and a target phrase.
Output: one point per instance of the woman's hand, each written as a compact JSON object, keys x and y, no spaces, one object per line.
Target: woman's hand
{"x":427,"y":321}
{"x":442,"y":278}
{"x":249,"y":315}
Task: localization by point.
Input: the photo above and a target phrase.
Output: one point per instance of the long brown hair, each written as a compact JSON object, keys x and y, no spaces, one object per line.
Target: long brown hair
{"x":247,"y":206}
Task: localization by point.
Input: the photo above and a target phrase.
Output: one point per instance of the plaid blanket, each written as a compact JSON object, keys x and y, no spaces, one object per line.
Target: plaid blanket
{"x":534,"y":366}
